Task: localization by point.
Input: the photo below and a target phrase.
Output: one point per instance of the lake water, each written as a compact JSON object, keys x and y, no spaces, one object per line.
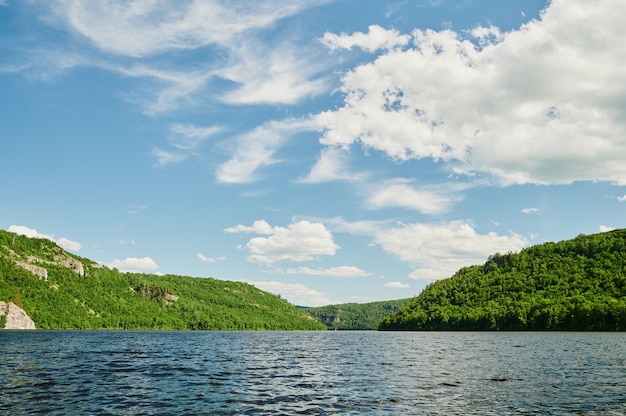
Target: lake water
{"x":314,"y":373}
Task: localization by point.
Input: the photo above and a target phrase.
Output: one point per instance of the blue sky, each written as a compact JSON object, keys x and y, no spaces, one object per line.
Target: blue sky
{"x":328,"y":151}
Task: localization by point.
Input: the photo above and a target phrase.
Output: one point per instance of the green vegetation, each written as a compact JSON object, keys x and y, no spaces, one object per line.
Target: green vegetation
{"x":356,"y":316}
{"x":579,"y":284}
{"x":108,"y":299}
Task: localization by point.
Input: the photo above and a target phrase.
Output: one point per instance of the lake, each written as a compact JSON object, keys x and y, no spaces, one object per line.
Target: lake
{"x":314,"y":373}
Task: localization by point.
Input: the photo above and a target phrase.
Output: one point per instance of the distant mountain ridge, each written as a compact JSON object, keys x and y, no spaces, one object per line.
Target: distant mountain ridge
{"x":60,"y":290}
{"x":356,"y":316}
{"x":578,"y":284}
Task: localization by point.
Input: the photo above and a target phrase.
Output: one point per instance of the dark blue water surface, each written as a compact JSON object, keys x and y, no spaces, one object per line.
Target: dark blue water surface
{"x":315,"y":373}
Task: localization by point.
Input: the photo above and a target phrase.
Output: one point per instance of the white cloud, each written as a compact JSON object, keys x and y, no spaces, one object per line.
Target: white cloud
{"x":32,"y":233}
{"x":399,"y":193}
{"x":258,"y":227}
{"x":29,"y":232}
{"x":165,"y":157}
{"x":529,"y":210}
{"x":185,"y":140}
{"x":137,"y":208}
{"x":300,"y":241}
{"x":189,"y":137}
{"x":541,"y":104}
{"x":141,"y":28}
{"x":272,"y":74}
{"x":256,"y":149}
{"x":605,"y":228}
{"x":69,"y":244}
{"x":438,"y":251}
{"x":376,"y":38}
{"x":158,"y":34}
{"x":397,"y":285}
{"x":206,"y":259}
{"x":331,"y":166}
{"x":621,"y":198}
{"x":134,"y":265}
{"x":295,"y":293}
{"x":339,"y":271}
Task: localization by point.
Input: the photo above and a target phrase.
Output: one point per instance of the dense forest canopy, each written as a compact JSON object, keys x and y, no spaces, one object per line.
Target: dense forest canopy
{"x":579,"y":284}
{"x":103,"y":298}
{"x":356,"y":316}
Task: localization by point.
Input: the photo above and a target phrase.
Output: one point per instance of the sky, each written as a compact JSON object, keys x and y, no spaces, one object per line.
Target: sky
{"x":327,"y":151}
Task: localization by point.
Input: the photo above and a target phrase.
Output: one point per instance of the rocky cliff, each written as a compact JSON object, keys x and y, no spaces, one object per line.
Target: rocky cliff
{"x":16,"y":317}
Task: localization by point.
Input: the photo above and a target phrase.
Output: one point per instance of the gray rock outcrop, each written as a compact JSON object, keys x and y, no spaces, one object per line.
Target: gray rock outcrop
{"x":41,"y":272}
{"x":16,"y":317}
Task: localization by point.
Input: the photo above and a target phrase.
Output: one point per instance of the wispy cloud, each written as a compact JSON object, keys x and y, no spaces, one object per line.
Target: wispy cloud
{"x":339,"y":271}
{"x":154,"y":41}
{"x":332,"y":165}
{"x":530,"y":210}
{"x":400,"y":193}
{"x":185,"y":141}
{"x":256,"y":149}
{"x":397,"y":285}
{"x":206,"y":259}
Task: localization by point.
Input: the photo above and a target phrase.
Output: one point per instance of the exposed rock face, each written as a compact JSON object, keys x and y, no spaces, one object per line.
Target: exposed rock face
{"x":71,"y":263}
{"x":36,"y":270}
{"x":16,"y":316}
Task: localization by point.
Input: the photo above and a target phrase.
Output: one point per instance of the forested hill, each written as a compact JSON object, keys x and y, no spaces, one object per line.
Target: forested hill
{"x":59,"y":290}
{"x":356,"y":316}
{"x":579,"y":284}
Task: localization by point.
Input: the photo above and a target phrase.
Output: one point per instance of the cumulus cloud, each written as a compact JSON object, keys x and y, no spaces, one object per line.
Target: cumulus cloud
{"x":605,"y":228}
{"x":529,"y":210}
{"x":376,"y":38}
{"x":542,"y":104}
{"x":438,"y":250}
{"x":32,"y":233}
{"x":134,"y":265}
{"x":397,"y":285}
{"x":339,"y":271}
{"x":300,"y":241}
{"x":295,"y":293}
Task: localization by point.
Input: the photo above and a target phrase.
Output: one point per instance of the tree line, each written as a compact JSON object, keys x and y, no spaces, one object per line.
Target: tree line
{"x":108,"y":299}
{"x":578,"y":284}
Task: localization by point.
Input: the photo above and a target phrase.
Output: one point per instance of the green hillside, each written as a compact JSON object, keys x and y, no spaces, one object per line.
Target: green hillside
{"x":579,"y":284}
{"x":356,"y":316}
{"x":59,"y":290}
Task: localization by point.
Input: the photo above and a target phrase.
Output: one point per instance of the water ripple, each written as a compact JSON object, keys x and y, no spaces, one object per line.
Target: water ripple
{"x":311,"y":373}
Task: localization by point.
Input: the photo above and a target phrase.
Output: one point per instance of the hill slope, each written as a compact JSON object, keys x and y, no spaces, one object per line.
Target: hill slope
{"x":356,"y":316}
{"x":59,"y":290}
{"x":579,"y":284}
